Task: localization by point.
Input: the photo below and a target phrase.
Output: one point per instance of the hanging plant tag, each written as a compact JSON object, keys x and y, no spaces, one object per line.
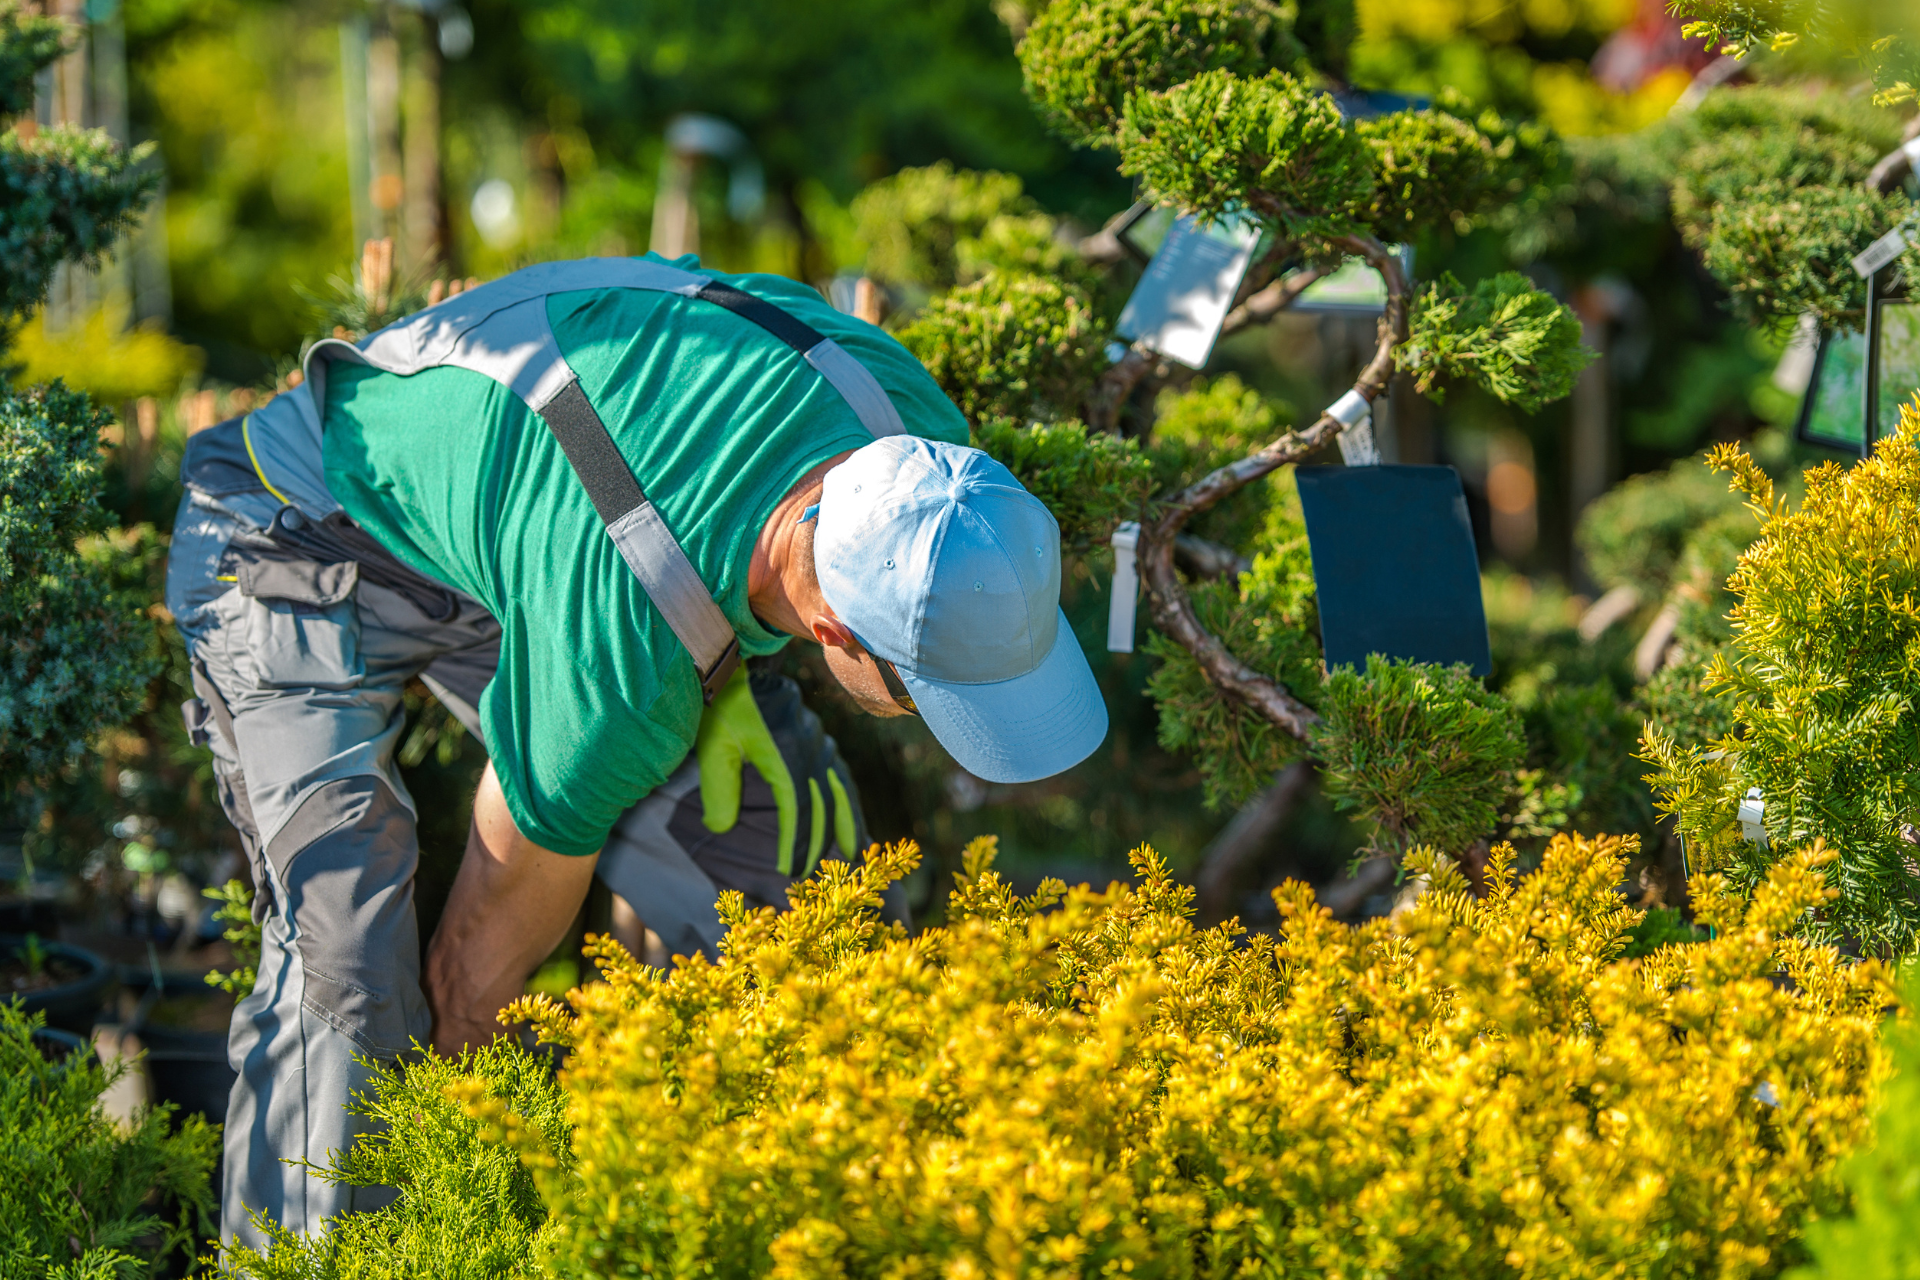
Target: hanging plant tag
{"x":1186,"y":291}
{"x":1126,"y":588}
{"x":1355,"y":413}
{"x":1394,"y":565}
{"x":1882,"y":251}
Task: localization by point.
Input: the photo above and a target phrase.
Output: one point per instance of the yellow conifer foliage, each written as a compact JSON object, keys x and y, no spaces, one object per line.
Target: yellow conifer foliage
{"x":1822,"y":682}
{"x":1081,"y":1083}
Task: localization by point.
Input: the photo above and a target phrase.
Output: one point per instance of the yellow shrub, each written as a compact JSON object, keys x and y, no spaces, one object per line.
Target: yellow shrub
{"x":1082,"y":1083}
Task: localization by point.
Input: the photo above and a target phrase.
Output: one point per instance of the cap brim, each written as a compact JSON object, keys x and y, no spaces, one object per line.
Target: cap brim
{"x":1019,"y":730}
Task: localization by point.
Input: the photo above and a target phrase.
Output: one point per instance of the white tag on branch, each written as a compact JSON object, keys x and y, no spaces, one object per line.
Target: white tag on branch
{"x":1357,"y":448}
{"x":1882,"y":251}
{"x":1184,"y":295}
{"x":1912,"y":147}
{"x":1753,"y":810}
{"x":1126,"y":589}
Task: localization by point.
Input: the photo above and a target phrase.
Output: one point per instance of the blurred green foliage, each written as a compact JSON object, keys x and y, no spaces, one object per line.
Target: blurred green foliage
{"x":914,"y":222}
{"x":1766,"y":184}
{"x":75,"y":651}
{"x":1883,"y":39}
{"x":1635,"y":534}
{"x":84,"y":1197}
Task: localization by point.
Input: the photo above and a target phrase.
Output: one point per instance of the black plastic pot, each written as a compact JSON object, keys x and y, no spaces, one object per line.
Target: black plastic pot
{"x":74,"y":1005}
{"x":58,"y":1046}
{"x":186,"y":1067}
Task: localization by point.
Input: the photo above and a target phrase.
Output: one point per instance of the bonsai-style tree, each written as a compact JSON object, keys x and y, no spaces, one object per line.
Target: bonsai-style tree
{"x":74,"y":655}
{"x":1223,"y":109}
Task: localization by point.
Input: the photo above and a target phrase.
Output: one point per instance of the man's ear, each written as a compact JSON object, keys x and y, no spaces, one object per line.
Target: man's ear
{"x":829,"y":630}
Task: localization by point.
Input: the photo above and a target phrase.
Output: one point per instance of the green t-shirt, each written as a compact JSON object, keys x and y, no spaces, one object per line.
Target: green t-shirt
{"x":595,"y":701}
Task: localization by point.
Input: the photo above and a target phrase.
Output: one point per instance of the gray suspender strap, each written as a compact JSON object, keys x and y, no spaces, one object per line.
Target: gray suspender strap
{"x":643,"y":539}
{"x":501,"y":330}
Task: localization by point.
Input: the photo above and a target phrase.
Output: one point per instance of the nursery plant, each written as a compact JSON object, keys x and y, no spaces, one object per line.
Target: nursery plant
{"x":1082,"y":1082}
{"x":1819,"y":682}
{"x":83,"y":1198}
{"x":1875,"y":1240}
{"x":1219,"y":109}
{"x":75,"y":653}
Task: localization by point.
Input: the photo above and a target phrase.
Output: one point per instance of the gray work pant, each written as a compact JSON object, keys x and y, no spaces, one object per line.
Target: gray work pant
{"x":300,"y":657}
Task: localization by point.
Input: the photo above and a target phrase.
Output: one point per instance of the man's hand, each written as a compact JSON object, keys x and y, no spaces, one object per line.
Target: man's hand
{"x":511,"y":905}
{"x":733,"y":734}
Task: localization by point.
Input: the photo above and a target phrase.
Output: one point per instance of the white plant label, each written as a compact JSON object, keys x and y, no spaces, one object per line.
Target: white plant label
{"x":1186,"y":291}
{"x":1882,"y":251}
{"x":1355,"y":413}
{"x":1126,"y":589}
{"x":1357,"y":447}
{"x":1753,"y":813}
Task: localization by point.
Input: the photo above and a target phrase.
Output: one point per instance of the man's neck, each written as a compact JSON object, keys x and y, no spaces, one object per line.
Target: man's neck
{"x":775,"y":575}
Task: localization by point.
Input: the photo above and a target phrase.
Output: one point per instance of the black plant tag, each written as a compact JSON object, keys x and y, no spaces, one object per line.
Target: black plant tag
{"x":1394,"y":565}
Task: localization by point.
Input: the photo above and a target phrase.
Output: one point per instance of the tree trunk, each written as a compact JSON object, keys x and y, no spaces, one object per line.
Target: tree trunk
{"x":386,"y":190}
{"x":425,"y":210}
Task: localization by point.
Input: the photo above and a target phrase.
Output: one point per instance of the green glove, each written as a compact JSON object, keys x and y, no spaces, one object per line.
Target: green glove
{"x":733,"y":734}
{"x":843,"y":834}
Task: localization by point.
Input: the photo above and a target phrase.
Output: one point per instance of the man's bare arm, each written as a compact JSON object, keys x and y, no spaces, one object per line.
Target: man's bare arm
{"x":511,"y":905}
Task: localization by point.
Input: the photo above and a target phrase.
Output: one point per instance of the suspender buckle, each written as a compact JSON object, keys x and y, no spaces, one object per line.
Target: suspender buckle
{"x":715,"y":680}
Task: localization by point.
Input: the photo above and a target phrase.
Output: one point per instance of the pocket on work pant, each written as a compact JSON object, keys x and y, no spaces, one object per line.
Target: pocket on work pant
{"x":302,"y":625}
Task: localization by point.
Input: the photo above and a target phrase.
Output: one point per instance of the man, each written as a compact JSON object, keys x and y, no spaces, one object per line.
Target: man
{"x":571,"y":501}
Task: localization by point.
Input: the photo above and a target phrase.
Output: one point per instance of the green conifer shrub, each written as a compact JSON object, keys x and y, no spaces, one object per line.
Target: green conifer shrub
{"x":1089,"y":481}
{"x":1011,"y":346}
{"x":467,"y":1207}
{"x":1517,"y":343}
{"x":1768,"y":184}
{"x":1277,"y":144}
{"x":66,"y":194}
{"x":1267,"y":616}
{"x":1822,"y":681}
{"x":80,"y":1197}
{"x":1445,"y":166}
{"x":75,"y":653}
{"x":1426,"y":753}
{"x":916,"y":225}
{"x":1084,"y":60}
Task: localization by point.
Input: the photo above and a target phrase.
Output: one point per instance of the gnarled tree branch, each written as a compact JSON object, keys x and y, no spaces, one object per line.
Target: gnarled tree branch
{"x":1271,"y":300}
{"x":1115,"y":385}
{"x":1173,"y":609}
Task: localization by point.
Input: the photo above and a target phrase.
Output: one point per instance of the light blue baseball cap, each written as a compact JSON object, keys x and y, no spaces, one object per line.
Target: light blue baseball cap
{"x":939,"y":561}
